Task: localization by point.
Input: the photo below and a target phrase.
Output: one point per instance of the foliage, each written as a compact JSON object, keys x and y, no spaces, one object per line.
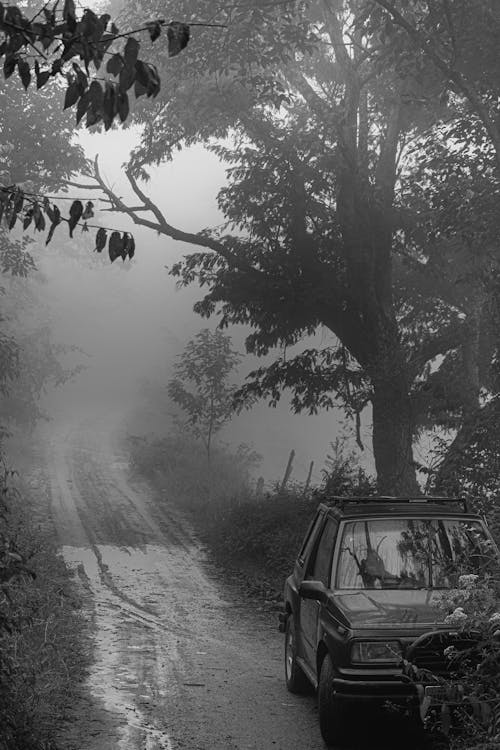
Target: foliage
{"x":473,"y":607}
{"x":59,"y":38}
{"x":342,"y":474}
{"x":18,"y":205}
{"x":41,"y":634}
{"x":200,"y":386}
{"x":73,"y":49}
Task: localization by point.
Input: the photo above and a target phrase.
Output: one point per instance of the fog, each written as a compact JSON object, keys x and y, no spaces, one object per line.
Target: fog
{"x":131,"y":321}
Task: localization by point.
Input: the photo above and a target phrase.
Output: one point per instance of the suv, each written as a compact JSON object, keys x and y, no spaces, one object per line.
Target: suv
{"x":361,"y":600}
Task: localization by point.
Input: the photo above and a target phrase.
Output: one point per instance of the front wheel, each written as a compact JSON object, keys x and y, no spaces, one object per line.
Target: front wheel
{"x":296,"y":681}
{"x":333,"y":713}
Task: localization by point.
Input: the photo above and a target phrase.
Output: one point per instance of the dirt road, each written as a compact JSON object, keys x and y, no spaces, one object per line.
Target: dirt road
{"x":176,"y":664}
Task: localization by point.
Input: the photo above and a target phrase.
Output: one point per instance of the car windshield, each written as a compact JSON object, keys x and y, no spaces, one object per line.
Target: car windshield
{"x":410,"y":553}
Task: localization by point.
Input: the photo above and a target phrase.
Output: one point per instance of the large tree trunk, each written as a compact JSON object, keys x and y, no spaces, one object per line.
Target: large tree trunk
{"x":392,"y":436}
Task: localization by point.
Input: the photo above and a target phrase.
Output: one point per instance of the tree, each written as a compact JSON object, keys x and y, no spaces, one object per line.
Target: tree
{"x":335,"y":109}
{"x":200,"y":386}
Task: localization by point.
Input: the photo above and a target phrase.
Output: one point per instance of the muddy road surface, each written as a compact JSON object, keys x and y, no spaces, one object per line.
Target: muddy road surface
{"x":177,"y":664}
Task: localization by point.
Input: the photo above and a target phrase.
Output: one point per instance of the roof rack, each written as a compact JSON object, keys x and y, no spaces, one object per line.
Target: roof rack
{"x":342,"y":500}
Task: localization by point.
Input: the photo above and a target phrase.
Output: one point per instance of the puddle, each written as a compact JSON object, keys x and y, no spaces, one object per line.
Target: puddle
{"x":124,"y":652}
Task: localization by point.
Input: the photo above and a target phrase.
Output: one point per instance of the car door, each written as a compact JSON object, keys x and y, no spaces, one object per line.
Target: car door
{"x":318,"y":569}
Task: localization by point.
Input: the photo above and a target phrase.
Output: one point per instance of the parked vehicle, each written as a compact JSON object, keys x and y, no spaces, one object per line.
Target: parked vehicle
{"x":362,"y":597}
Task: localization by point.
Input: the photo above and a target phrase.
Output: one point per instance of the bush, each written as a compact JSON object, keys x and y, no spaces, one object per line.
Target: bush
{"x":475,"y":607}
{"x":179,"y":463}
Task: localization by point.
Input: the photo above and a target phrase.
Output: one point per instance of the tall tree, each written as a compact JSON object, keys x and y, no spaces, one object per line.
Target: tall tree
{"x":319,"y":117}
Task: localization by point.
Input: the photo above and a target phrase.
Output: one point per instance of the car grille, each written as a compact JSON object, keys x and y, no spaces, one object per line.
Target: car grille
{"x":428,"y":652}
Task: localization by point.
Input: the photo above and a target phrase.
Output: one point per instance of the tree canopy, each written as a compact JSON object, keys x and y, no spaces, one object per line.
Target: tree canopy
{"x":362,"y":161}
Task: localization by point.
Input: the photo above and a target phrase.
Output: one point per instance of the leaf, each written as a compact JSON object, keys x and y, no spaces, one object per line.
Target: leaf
{"x":123,"y":106}
{"x":13,"y":219}
{"x":82,"y":107}
{"x":72,"y":94}
{"x":46,"y":41}
{"x":115,"y":246}
{"x":56,"y":67}
{"x":92,"y":118}
{"x":42,"y":76}
{"x":9,"y":65}
{"x":115,"y":64}
{"x":95,"y":103}
{"x":129,"y":243}
{"x":131,"y":51}
{"x":90,"y":26}
{"x":88,"y":211}
{"x":154,"y":29}
{"x":147,"y":76}
{"x":139,"y":89}
{"x":36,"y":212}
{"x":100,"y":240}
{"x":55,"y":216}
{"x":80,"y":77}
{"x":85,"y":227}
{"x":69,"y":15}
{"x":28,"y":218}
{"x":18,"y":200}
{"x":154,"y":85}
{"x":124,"y":251}
{"x":39,"y":220}
{"x":109,"y":105}
{"x":47,"y":208}
{"x":23,"y":69}
{"x":96,"y":95}
{"x":127,"y":78}
{"x":75,"y":212}
{"x":178,"y":37}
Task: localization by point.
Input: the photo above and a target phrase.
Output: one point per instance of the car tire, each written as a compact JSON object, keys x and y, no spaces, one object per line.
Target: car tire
{"x":296,"y":681}
{"x":333,"y":713}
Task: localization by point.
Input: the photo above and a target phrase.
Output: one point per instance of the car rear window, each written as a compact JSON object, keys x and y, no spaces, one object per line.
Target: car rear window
{"x":410,"y":553}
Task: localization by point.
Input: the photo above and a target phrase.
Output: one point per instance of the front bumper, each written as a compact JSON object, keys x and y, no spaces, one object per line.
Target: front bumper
{"x":370,"y":690}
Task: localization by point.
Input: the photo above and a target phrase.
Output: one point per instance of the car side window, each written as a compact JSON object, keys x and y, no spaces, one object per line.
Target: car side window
{"x":310,"y":538}
{"x":320,"y":571}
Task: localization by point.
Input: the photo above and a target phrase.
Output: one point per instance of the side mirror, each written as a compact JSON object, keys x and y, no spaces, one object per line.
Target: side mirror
{"x":315,"y":590}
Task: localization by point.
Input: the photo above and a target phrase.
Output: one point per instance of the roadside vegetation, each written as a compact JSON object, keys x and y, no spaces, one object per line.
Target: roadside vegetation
{"x":43,"y":641}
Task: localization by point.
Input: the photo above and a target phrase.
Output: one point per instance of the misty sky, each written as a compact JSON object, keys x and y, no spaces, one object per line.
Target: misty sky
{"x":132,"y":321}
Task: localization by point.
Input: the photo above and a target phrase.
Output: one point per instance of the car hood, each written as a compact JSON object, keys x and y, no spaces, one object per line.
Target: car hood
{"x":387,"y":607}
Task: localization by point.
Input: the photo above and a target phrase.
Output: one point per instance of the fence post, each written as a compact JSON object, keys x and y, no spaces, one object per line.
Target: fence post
{"x":288,"y":471}
{"x":308,"y":480}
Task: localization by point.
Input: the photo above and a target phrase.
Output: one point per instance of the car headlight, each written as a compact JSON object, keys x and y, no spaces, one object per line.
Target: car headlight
{"x":383,"y":652}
